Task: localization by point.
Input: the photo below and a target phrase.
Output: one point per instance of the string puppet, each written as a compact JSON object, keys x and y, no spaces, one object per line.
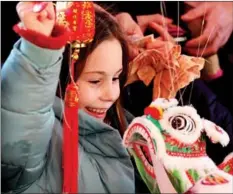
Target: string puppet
{"x":171,"y":135}
{"x":175,"y":135}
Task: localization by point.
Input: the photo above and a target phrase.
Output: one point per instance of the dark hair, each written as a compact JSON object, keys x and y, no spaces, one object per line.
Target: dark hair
{"x":106,"y":28}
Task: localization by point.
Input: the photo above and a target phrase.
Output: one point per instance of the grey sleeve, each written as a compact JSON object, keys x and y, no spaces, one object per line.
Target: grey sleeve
{"x":29,"y":80}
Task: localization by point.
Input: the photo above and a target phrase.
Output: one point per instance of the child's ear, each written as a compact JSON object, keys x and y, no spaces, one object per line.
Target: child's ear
{"x":215,"y":133}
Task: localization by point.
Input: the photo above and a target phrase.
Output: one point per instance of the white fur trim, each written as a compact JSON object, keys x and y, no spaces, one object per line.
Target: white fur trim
{"x":183,"y":164}
{"x":164,"y":103}
{"x":215,"y":136}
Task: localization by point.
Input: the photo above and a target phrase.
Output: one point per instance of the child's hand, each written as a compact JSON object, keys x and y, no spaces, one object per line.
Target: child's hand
{"x":37,"y":16}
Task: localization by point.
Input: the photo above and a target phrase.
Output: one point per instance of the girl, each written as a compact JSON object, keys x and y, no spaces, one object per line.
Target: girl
{"x":31,"y":112}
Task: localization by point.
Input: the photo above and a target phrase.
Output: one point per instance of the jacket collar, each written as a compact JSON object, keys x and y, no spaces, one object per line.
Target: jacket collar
{"x":94,"y":135}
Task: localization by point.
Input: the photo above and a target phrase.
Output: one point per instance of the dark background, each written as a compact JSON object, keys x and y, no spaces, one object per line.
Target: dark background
{"x":9,"y":17}
{"x":223,"y":87}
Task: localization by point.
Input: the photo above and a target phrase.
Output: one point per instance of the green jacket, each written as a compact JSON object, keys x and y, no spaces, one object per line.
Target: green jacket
{"x":32,"y":132}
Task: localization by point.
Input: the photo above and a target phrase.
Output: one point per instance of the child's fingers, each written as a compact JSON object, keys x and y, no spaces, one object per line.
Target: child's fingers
{"x":23,"y":8}
{"x":43,"y":15}
{"x":51,"y":12}
{"x":45,"y":10}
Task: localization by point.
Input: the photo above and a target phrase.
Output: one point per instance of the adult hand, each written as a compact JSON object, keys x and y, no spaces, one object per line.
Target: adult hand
{"x":145,"y":20}
{"x":37,"y":16}
{"x":128,"y":25}
{"x":164,"y":42}
{"x":132,"y":31}
{"x":218,"y":26}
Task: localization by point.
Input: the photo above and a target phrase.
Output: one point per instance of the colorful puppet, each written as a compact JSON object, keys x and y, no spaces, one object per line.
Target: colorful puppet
{"x":175,"y":136}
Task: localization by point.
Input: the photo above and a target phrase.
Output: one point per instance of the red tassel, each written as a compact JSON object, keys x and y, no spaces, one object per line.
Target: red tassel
{"x":70,"y":141}
{"x":79,"y":18}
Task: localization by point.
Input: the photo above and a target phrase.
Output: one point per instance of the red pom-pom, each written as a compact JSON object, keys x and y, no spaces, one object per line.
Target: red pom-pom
{"x":153,"y":112}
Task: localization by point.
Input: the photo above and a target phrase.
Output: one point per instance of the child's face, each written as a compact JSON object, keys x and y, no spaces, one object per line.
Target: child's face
{"x":99,"y":85}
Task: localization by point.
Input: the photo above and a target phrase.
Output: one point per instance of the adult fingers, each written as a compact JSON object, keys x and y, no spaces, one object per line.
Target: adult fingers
{"x":137,"y":31}
{"x":160,"y":19}
{"x":208,"y":36}
{"x":161,"y":31}
{"x":203,"y":51}
{"x":155,"y":44}
{"x":194,"y":13}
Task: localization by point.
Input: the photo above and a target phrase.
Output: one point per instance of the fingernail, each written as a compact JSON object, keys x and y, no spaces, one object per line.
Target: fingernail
{"x":38,"y":7}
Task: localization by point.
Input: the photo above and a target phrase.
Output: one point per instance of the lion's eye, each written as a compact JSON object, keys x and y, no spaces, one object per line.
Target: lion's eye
{"x":177,"y":123}
{"x":183,"y":123}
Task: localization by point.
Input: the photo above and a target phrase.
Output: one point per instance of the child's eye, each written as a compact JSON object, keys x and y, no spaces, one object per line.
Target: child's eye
{"x":94,"y":81}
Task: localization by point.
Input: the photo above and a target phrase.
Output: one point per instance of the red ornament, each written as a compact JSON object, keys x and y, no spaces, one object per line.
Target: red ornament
{"x":79,"y":18}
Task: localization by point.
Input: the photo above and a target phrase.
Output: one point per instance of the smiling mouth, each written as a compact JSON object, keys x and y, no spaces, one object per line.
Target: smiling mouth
{"x":99,"y":113}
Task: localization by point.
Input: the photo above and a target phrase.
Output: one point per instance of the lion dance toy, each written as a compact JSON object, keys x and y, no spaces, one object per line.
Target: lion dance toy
{"x":175,"y":136}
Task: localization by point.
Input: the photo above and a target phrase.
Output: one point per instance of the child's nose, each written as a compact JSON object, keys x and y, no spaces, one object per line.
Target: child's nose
{"x":109,"y":93}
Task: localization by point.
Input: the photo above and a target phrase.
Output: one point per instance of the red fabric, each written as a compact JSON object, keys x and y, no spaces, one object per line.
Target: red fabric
{"x":57,"y":40}
{"x":70,"y":141}
{"x":228,"y":163}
